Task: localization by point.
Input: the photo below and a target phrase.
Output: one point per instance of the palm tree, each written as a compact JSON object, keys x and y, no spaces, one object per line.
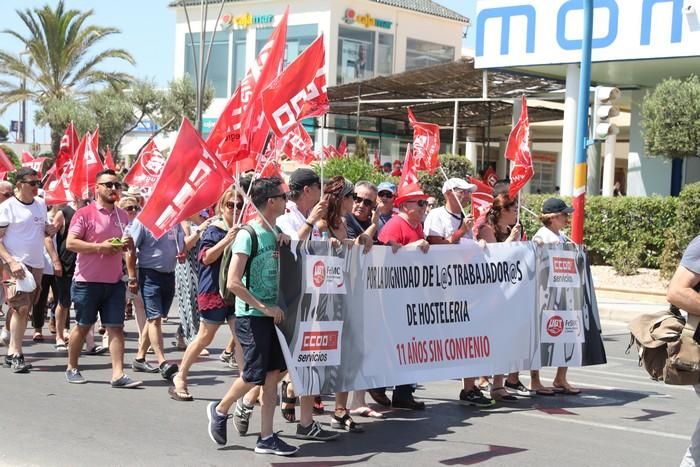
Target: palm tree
{"x":57,"y":61}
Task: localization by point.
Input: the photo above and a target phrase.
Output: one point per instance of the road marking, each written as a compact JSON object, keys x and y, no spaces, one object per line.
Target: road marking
{"x":608,"y":426}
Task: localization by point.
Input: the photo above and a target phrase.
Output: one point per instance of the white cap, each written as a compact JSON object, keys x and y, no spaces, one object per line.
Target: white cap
{"x":458,"y":184}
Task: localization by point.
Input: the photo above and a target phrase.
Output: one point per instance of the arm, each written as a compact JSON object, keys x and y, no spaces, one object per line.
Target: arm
{"x":315,"y":215}
{"x":211,"y":255}
{"x":73,"y":243}
{"x":59,"y":221}
{"x":15,"y":267}
{"x":235,"y":284}
{"x":55,"y":261}
{"x":681,"y":292}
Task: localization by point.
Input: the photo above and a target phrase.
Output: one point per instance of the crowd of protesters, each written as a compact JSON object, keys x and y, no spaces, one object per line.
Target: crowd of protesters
{"x":97,"y":258}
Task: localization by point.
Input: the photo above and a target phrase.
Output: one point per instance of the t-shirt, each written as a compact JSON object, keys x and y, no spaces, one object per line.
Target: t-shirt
{"x":547,"y":236}
{"x":208,"y":296}
{"x":400,"y":231}
{"x":264,"y":268}
{"x":354,"y":227}
{"x":691,"y":256}
{"x":441,"y":223}
{"x":383,"y":219}
{"x":161,"y":254}
{"x":26,"y":226}
{"x":293,"y":220}
{"x":95,"y":224}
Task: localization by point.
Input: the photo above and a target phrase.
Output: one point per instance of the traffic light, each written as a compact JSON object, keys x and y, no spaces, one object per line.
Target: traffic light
{"x":604,"y":109}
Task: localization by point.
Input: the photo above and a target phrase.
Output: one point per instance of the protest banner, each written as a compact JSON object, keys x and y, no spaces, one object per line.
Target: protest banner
{"x":356,"y":321}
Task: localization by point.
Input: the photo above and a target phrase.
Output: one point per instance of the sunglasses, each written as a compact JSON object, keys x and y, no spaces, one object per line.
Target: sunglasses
{"x":386,"y":194}
{"x":31,"y":182}
{"x":231,"y":205}
{"x":111,"y":185}
{"x":422,"y":203}
{"x":132,"y":208}
{"x":365,"y":202}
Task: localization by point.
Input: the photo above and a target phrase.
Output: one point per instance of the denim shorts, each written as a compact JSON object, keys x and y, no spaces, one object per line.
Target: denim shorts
{"x":157,"y":290}
{"x":91,"y":298}
{"x":261,"y":348}
{"x":218,"y":315}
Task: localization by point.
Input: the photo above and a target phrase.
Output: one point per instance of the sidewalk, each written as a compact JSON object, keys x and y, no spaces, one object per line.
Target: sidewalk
{"x":625,"y":304}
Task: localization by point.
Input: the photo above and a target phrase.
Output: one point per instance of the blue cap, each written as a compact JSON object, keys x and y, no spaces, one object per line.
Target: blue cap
{"x":386,"y":186}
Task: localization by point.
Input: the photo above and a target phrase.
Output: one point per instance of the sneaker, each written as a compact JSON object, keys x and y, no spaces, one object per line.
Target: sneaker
{"x":143,"y":366}
{"x":168,"y":370}
{"x":7,"y":363}
{"x":18,"y":365}
{"x":518,"y":389}
{"x":5,"y":336}
{"x":409,"y":403}
{"x":228,"y":359}
{"x":274,"y":445}
{"x":126,"y":382}
{"x":475,"y":398}
{"x":314,"y":432}
{"x":241,"y":417}
{"x":73,"y":376}
{"x":217,"y":424}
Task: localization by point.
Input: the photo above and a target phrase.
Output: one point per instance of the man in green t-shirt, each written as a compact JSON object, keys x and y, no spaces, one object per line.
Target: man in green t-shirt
{"x":256,"y":315}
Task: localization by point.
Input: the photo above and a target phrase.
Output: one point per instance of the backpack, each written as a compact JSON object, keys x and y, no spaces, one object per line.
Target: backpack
{"x":228,"y":296}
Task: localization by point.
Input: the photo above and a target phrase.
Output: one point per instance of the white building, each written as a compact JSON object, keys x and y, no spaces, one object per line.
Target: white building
{"x":363,"y":39}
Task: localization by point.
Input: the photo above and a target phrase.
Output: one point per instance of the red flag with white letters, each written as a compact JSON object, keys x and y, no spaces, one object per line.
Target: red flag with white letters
{"x":192,"y":180}
{"x":35,"y":164}
{"x":482,"y":200}
{"x":490,"y":176}
{"x":518,"y":151}
{"x":241,"y":129}
{"x":299,"y":92}
{"x":426,"y":144}
{"x":147,"y":167}
{"x":297,"y":145}
{"x":26,"y":158}
{"x":69,"y":144}
{"x":86,"y":165}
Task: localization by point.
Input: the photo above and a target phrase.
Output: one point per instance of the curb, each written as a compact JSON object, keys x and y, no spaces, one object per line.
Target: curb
{"x":625,"y":316}
{"x":653,"y":293}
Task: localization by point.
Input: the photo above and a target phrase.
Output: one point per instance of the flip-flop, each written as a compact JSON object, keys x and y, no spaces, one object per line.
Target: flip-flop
{"x":61,"y":348}
{"x":544,"y":392}
{"x":366,"y":412}
{"x":182,"y":396}
{"x":97,"y":350}
{"x":38,"y":337}
{"x":567,"y":391}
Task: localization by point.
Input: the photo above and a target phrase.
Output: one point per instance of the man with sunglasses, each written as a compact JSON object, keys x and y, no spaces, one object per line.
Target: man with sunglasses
{"x":97,"y":235}
{"x":386,"y":192}
{"x":155,"y":281}
{"x":24,"y":233}
{"x":363,"y":218}
{"x":6,"y":192}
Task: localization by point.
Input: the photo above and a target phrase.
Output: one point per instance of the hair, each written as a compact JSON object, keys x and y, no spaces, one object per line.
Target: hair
{"x":546,"y":219}
{"x":366,"y":184}
{"x":501,"y":202}
{"x":244,"y":182}
{"x":501,"y":186}
{"x":127,"y":199}
{"x":105,"y":172}
{"x":25,"y":172}
{"x":6,"y":184}
{"x":262,"y":189}
{"x":223,"y":199}
{"x":334,"y":188}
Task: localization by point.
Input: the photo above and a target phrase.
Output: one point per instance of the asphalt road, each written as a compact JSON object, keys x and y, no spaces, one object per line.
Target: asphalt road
{"x":621,"y":419}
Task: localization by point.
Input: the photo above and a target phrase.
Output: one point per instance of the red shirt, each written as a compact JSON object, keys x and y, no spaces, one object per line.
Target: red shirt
{"x":398,"y":229}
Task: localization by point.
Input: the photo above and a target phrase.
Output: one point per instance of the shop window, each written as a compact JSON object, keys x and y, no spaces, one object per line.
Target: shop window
{"x":299,"y":37}
{"x":239,"y":57}
{"x":544,"y":180}
{"x":217,"y":73}
{"x":385,"y":54}
{"x":420,"y":54}
{"x":355,"y":54}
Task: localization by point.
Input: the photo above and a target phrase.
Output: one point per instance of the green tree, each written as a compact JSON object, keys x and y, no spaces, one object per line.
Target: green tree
{"x":454,"y":167}
{"x":59,"y":59}
{"x":3,"y":133}
{"x":671,"y":118}
{"x":180,"y":100}
{"x":354,"y":168}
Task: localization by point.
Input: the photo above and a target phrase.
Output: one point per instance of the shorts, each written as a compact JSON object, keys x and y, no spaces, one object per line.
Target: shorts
{"x":62,"y":287}
{"x":91,"y":298}
{"x":217,"y":315}
{"x":17,"y":300}
{"x":158,"y":291}
{"x":261,"y":348}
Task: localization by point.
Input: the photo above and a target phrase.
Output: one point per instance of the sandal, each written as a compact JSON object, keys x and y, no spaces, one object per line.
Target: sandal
{"x":319,"y":409}
{"x":500,"y":394}
{"x":345,"y":423}
{"x":181,"y":395}
{"x":61,"y":348}
{"x":366,"y":412}
{"x":566,"y":390}
{"x":289,"y":413}
{"x":38,"y":337}
{"x":97,"y":350}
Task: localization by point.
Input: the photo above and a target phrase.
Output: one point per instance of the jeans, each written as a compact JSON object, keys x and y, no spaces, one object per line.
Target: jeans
{"x":91,"y":298}
{"x":692,"y":455}
{"x":158,"y":291}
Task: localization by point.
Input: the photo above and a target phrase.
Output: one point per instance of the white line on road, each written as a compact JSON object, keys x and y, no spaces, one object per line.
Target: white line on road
{"x":642,"y":431}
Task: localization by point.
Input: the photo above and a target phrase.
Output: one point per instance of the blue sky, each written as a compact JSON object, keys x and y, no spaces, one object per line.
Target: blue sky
{"x":148,"y":32}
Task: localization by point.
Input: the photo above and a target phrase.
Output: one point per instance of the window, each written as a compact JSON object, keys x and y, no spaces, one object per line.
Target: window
{"x":217,"y":73}
{"x":544,"y":180}
{"x":239,"y":69}
{"x":299,"y":37}
{"x":420,"y":54}
{"x":385,"y":54}
{"x":355,"y":54}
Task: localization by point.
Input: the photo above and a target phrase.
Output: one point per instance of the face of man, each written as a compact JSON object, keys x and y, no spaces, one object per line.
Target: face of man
{"x":386,"y":201}
{"x":364,"y":201}
{"x":28,"y":186}
{"x":277,"y":203}
{"x":460,"y":196}
{"x":313,"y":192}
{"x":108,"y":188}
{"x":415,"y":210}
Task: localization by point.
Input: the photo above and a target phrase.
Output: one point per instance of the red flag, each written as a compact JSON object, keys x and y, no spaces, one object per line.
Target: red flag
{"x":35,"y":164}
{"x":490,"y":176}
{"x":69,"y":143}
{"x":482,"y":200}
{"x":86,"y":165}
{"x":426,"y":144}
{"x":109,"y":162}
{"x":297,"y":145}
{"x":299,"y":92}
{"x":343,"y":147}
{"x":518,"y":151}
{"x":409,"y":174}
{"x":241,"y":129}
{"x":192,"y":180}
{"x":6,"y":164}
{"x":56,"y":189}
{"x":147,"y":168}
{"x":26,"y":157}
{"x":377,"y":160}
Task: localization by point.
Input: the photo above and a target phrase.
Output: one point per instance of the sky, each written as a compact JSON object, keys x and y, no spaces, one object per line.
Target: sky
{"x":147,"y":32}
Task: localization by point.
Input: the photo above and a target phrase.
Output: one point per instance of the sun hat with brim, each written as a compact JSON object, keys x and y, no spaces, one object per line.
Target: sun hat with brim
{"x":556,"y":206}
{"x":458,"y":184}
{"x":410,"y":192}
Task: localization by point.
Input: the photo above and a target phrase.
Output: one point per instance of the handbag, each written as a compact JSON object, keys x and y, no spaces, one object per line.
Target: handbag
{"x":683,"y":363}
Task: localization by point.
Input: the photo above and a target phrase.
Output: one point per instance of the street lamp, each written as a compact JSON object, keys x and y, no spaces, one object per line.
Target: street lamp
{"x":23,"y":106}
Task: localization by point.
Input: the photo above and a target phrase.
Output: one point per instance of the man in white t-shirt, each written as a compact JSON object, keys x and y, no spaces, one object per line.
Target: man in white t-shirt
{"x":24,"y":233}
{"x":6,"y":192}
{"x":449,"y":224}
{"x":304,"y":207}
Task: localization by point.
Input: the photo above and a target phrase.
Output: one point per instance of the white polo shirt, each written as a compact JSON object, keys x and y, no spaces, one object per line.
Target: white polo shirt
{"x":25,"y":226}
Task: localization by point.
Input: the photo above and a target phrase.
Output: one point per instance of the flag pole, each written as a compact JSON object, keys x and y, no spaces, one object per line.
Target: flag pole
{"x":322,"y":158}
{"x":464,"y":212}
